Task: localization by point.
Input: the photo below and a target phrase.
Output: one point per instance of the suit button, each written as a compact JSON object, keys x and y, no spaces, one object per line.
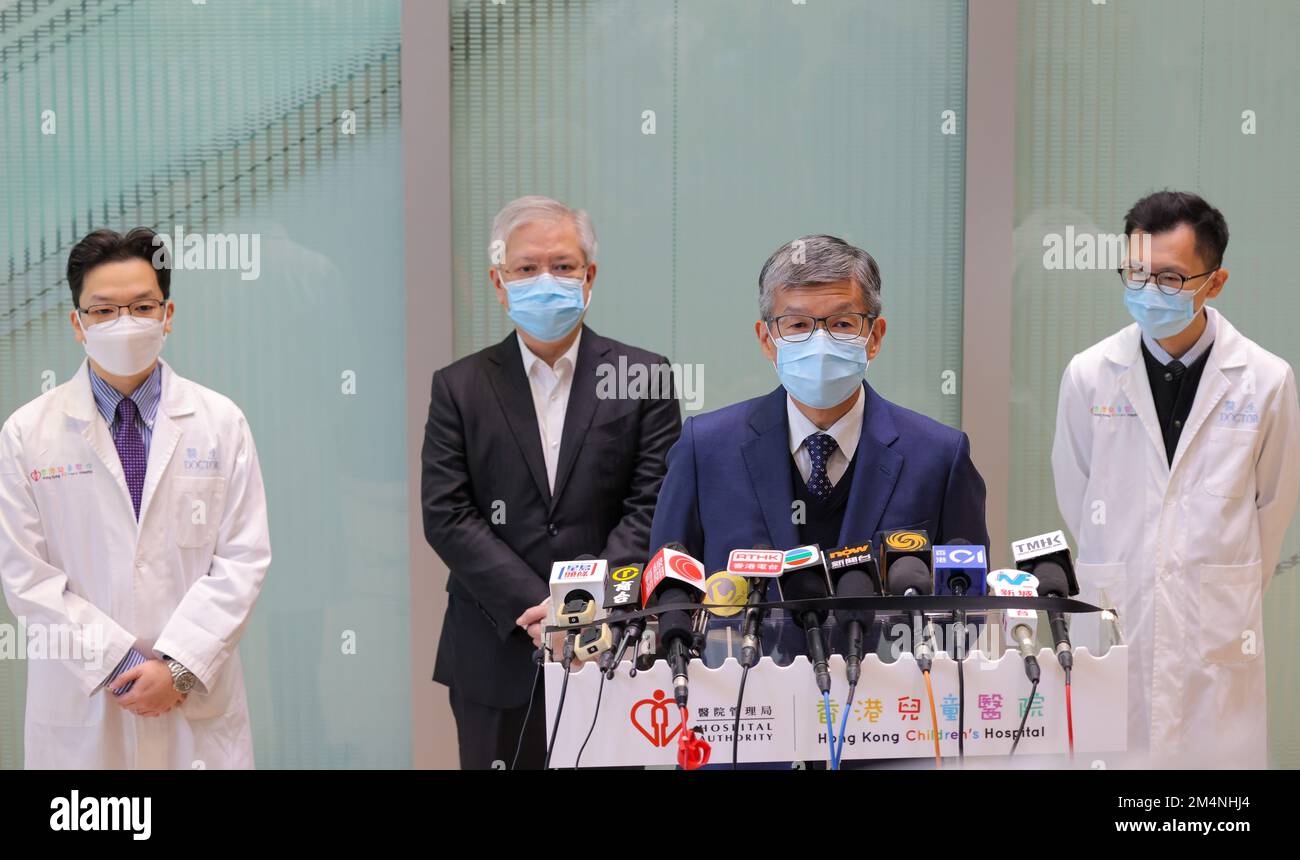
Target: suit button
{"x":552,"y":529}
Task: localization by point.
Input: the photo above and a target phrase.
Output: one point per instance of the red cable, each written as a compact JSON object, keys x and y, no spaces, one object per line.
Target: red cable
{"x":692,"y":750}
{"x":1069,"y":718}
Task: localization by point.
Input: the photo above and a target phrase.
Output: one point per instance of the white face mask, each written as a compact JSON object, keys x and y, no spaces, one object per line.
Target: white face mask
{"x":126,"y":346}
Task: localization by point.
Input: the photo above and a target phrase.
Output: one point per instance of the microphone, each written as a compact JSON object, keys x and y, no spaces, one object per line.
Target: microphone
{"x":725,"y":595}
{"x":805,"y":579}
{"x":908,"y":559}
{"x":593,"y":641}
{"x":761,"y":565}
{"x":853,"y":573}
{"x":1020,"y":626}
{"x":577,"y":591}
{"x":671,"y":577}
{"x":960,"y":569}
{"x":623,"y":596}
{"x":1047,"y":557}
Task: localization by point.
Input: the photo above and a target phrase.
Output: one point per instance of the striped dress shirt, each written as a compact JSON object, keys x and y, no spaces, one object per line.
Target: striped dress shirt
{"x":147,"y":398}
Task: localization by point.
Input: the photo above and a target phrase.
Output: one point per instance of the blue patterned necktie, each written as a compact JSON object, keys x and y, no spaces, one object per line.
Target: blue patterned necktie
{"x":130,"y":450}
{"x":820,"y":447}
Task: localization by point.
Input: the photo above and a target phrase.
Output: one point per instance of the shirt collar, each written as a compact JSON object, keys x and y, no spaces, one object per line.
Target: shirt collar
{"x":146,"y":397}
{"x":1198,"y":349}
{"x":846,"y":432}
{"x":564,"y":362}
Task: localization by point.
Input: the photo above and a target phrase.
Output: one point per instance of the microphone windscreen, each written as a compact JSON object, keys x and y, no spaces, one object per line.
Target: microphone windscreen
{"x":855,"y":582}
{"x":1052,"y":578}
{"x":805,"y":585}
{"x":909,"y":573}
{"x":675,"y":623}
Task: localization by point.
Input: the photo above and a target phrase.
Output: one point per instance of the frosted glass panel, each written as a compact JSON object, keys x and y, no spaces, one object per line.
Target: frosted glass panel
{"x":703,"y":135}
{"x":1117,"y":101}
{"x":235,"y":117}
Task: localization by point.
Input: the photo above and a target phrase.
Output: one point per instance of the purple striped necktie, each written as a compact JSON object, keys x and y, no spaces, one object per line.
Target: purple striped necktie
{"x":130,"y":450}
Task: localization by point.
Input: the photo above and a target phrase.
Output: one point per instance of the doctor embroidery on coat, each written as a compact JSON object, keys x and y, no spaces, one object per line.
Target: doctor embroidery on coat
{"x":133,"y":521}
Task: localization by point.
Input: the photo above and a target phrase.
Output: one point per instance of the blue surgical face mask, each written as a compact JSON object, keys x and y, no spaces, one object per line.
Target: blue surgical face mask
{"x":546,"y":307}
{"x":821,"y":371}
{"x":1161,"y":316}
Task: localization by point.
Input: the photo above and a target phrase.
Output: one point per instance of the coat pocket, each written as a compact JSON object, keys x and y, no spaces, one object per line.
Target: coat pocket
{"x":1106,"y":586}
{"x":1229,"y":458}
{"x":197,"y":505}
{"x":55,"y":699}
{"x":1230,"y":612}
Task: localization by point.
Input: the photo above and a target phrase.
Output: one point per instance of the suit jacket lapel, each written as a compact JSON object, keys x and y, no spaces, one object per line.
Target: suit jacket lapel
{"x":516,"y":398}
{"x":767,"y":459}
{"x":876,"y":473}
{"x":592,"y":350}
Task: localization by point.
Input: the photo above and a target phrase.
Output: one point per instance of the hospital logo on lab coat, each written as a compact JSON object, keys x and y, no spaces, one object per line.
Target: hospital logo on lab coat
{"x":1125,"y":411}
{"x":54,"y":473}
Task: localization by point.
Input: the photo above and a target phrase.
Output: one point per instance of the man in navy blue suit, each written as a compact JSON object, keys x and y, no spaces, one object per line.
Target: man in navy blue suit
{"x":822,"y":459}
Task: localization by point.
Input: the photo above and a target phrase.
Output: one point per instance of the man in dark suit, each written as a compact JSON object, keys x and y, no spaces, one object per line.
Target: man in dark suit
{"x":527,"y":461}
{"x":822,"y":459}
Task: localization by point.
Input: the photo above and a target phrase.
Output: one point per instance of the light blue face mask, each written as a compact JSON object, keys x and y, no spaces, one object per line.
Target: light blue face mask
{"x":545,"y":306}
{"x":821,"y":371}
{"x":1161,"y":316}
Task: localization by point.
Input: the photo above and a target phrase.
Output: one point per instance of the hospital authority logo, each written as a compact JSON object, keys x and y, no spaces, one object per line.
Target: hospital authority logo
{"x":651,"y":717}
{"x":54,"y":473}
{"x":1232,"y":415}
{"x":659,"y":721}
{"x":1125,"y":411}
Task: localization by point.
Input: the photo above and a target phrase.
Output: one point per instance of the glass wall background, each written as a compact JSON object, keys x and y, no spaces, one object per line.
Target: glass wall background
{"x":1117,"y":101}
{"x":230,"y":117}
{"x":703,"y":135}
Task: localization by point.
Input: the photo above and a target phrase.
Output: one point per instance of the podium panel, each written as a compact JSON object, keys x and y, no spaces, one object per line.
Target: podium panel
{"x":783,"y":716}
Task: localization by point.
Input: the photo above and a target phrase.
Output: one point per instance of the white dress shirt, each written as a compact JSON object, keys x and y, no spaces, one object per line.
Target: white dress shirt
{"x":845,"y":431}
{"x":1198,"y":349}
{"x":551,"y":387}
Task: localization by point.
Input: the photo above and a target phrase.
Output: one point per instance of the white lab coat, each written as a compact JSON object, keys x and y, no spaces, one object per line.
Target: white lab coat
{"x":1184,"y":552}
{"x":183,"y":582}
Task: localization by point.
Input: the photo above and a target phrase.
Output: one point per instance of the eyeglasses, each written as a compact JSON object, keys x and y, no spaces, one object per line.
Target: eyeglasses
{"x":559,"y":270}
{"x":107,"y":313}
{"x":1169,"y":283}
{"x":796,"y":328}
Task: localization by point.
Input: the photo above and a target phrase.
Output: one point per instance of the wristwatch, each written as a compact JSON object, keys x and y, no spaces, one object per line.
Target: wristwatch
{"x":183,"y":680}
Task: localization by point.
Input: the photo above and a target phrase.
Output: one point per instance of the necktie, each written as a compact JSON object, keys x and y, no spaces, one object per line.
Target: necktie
{"x":130,"y":450}
{"x":820,"y":447}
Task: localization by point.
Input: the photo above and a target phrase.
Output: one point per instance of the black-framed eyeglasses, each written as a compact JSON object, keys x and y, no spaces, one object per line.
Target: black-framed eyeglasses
{"x":107,"y":313}
{"x":796,"y":328}
{"x":1169,"y":283}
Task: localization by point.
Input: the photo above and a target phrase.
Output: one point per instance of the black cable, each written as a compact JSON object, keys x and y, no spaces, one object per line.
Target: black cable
{"x":961,"y":707}
{"x":599,"y":691}
{"x":555,"y":730}
{"x":735,"y":732}
{"x":961,"y":643}
{"x":519,"y":745}
{"x":1029,"y":706}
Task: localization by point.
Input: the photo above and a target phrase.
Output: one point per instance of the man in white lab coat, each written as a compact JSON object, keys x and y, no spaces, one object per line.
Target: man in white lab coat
{"x":1177,"y":472}
{"x":133,"y":520}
